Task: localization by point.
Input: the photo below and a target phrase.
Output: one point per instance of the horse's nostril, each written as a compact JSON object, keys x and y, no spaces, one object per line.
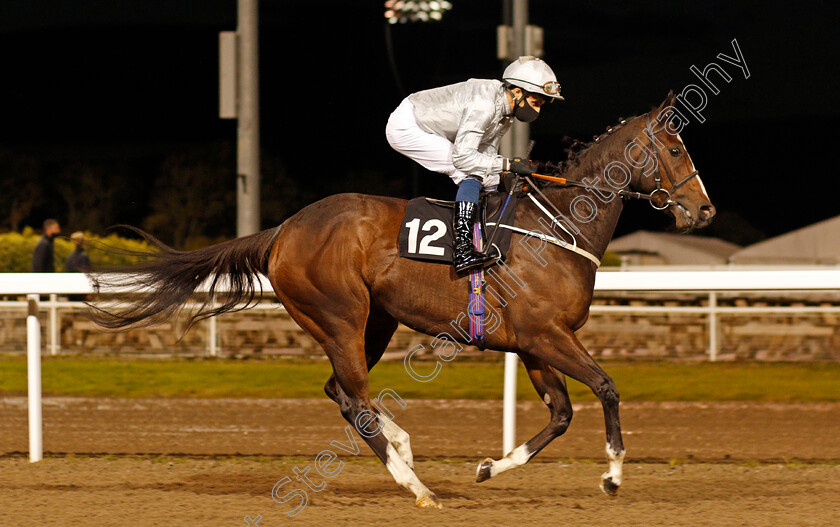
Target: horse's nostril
{"x":707,"y":211}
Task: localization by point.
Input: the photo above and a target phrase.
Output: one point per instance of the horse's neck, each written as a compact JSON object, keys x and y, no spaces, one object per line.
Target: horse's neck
{"x":596,"y":229}
{"x":574,"y":202}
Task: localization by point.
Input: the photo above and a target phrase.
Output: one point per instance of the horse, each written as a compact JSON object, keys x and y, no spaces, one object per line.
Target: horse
{"x":336,"y":269}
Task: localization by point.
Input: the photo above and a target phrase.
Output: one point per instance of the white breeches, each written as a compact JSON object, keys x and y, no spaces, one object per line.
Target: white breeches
{"x":431,"y":151}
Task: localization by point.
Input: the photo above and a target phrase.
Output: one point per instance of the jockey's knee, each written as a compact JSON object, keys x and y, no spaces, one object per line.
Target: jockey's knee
{"x":469,"y":190}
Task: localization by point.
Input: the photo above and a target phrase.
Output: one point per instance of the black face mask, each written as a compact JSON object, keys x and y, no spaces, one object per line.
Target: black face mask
{"x":525,"y":113}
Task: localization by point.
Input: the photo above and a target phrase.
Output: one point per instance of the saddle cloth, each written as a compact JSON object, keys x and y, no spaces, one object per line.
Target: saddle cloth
{"x":426,"y":231}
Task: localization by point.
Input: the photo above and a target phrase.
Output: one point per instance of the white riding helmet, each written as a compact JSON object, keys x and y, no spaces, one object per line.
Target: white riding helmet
{"x":533,"y":75}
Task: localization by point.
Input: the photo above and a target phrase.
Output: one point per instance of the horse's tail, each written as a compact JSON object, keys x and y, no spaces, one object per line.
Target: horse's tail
{"x":160,"y":287}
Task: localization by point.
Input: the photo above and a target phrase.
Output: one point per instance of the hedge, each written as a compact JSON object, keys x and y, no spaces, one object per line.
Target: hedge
{"x":16,"y":250}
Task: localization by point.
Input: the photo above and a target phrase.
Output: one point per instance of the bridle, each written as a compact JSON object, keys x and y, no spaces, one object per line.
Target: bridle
{"x":660,"y":165}
{"x":659,"y":198}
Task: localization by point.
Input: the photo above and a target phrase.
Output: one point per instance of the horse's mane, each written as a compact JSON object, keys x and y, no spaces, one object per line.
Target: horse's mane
{"x":576,"y":151}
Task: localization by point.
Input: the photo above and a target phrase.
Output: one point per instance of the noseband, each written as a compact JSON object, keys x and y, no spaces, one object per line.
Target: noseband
{"x":657,"y":203}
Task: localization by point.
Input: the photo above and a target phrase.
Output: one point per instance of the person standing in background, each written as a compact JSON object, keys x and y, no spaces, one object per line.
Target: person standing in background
{"x":43,"y":258}
{"x":78,"y":261}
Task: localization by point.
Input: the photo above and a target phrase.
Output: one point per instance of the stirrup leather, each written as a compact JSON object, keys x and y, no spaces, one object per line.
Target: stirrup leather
{"x":465,"y":256}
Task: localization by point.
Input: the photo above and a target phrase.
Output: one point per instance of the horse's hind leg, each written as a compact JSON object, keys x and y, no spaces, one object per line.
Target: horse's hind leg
{"x":559,"y":347}
{"x":378,"y":332}
{"x":341,"y":331}
{"x":354,"y":402}
{"x":379,"y":329}
{"x":551,"y":386}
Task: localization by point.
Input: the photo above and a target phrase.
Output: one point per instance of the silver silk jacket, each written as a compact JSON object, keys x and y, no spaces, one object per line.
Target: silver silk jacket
{"x":473,"y":115}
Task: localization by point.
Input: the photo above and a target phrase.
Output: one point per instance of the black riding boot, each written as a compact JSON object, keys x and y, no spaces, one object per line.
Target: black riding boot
{"x":465,"y":257}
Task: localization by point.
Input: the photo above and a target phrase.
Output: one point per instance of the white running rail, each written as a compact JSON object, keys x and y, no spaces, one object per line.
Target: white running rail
{"x":708,"y":281}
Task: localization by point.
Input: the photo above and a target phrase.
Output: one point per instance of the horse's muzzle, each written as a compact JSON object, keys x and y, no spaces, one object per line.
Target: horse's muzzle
{"x":705,"y":215}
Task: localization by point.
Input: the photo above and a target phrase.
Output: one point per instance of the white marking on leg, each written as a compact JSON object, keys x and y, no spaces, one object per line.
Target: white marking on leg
{"x":403,"y":475}
{"x":547,"y":399}
{"x":616,"y":460}
{"x":517,"y":457}
{"x":399,"y":438}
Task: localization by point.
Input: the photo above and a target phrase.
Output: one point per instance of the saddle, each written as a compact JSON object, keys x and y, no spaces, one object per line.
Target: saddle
{"x":426,"y":231}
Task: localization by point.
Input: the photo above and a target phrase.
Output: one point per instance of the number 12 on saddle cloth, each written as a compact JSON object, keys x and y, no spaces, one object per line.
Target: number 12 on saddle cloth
{"x":426,"y":229}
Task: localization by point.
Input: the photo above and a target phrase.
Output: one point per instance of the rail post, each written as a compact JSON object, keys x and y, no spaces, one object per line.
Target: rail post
{"x":212,"y":336}
{"x":509,"y":405}
{"x":54,"y":339}
{"x":33,"y":372}
{"x":713,"y":326}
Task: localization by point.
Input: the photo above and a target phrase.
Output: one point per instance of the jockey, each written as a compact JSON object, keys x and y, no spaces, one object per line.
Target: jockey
{"x":456,"y":130}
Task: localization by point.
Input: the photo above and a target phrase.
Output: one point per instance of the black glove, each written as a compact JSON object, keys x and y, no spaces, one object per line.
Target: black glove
{"x":508,"y":181}
{"x":522,"y":167}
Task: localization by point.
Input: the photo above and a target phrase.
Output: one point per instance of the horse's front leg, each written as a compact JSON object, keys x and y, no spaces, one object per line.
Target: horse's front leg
{"x":551,"y":387}
{"x":558,"y":346}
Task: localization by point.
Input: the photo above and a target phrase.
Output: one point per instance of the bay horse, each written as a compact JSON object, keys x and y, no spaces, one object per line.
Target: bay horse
{"x":336,"y":269}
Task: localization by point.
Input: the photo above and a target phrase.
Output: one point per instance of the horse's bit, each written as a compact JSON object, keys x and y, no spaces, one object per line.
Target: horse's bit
{"x":667,"y":202}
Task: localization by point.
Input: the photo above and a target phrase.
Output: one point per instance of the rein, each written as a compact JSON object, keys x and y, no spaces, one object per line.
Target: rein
{"x":655,"y":202}
{"x":624,"y":193}
{"x":659,"y":198}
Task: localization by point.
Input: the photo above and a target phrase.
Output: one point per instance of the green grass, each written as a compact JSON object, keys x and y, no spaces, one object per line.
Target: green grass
{"x":459,"y":379}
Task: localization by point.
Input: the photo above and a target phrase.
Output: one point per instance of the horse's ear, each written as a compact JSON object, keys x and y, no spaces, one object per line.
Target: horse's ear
{"x":670,"y":99}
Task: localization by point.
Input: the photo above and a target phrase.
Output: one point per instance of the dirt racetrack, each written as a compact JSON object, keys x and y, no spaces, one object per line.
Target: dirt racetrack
{"x":214,"y":462}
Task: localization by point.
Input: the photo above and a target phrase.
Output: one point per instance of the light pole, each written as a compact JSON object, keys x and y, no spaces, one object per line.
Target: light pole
{"x":515,"y":39}
{"x":520,"y":132}
{"x":239,"y":99}
{"x":248,"y":131}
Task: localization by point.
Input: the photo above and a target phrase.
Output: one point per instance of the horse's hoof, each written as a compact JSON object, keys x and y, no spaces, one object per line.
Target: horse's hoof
{"x":483,"y":472}
{"x":431,"y":502}
{"x":608,"y":486}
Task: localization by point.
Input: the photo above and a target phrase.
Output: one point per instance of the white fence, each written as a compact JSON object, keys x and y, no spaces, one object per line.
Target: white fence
{"x":665,"y":281}
{"x":710,"y":282}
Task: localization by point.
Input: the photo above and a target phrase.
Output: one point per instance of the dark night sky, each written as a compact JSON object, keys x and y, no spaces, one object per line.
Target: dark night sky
{"x":131,"y":79}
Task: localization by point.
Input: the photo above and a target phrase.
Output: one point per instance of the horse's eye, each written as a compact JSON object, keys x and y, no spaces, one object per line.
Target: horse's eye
{"x":675,"y":152}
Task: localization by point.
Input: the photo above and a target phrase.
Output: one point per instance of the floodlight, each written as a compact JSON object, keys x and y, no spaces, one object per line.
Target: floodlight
{"x":410,"y":11}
